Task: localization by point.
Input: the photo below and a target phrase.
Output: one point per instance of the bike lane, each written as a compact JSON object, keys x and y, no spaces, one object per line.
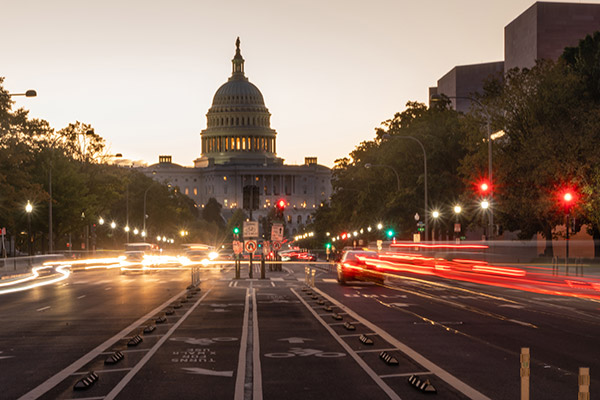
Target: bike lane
{"x":299,"y":357}
{"x":200,"y":358}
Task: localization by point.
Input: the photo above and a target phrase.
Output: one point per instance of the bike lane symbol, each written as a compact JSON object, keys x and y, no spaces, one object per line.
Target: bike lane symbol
{"x":300,"y":352}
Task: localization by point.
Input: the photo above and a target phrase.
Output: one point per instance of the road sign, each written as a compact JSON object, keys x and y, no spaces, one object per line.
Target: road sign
{"x":457,"y":228}
{"x":276,"y":245}
{"x":4,"y":231}
{"x":277,"y":232}
{"x":238,"y":248}
{"x":379,"y":245}
{"x":250,"y":229}
{"x":266,"y":247}
{"x":250,"y":246}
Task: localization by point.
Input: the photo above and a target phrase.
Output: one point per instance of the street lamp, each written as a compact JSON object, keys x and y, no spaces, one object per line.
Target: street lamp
{"x":145,"y":216}
{"x":387,"y":136}
{"x":437,"y":97}
{"x":28,"y":210}
{"x":457,"y":229}
{"x":29,"y":93}
{"x":435,"y":214}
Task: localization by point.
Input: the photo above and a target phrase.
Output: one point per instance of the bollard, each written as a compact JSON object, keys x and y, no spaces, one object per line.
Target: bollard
{"x":584,"y":384}
{"x":262,"y":266}
{"x":237,"y":267}
{"x":525,"y":357}
{"x":306,"y":274}
{"x":313,"y":277}
{"x":250,"y":267}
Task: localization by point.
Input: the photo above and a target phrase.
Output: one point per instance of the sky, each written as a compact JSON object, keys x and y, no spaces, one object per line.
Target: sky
{"x":143,"y":73}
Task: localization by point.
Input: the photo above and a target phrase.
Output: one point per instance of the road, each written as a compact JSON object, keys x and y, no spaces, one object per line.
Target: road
{"x":278,"y":339}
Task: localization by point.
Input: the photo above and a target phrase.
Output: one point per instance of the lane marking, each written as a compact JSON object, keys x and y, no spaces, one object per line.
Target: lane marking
{"x":256,"y":369}
{"x":358,"y":334}
{"x":392,"y":395}
{"x":404,"y":375}
{"x":101,"y":371}
{"x":329,"y":280}
{"x":117,"y":389}
{"x":277,"y":279}
{"x":375,"y":350}
{"x":43,"y":309}
{"x":107,"y":288}
{"x":241,"y":369}
{"x":82,"y":296}
{"x":430,"y":366}
{"x":77,"y":365}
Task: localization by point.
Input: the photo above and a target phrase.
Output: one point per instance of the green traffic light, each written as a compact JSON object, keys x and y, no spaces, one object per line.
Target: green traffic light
{"x":390,"y":233}
{"x":236,"y":230}
{"x":327,"y":245}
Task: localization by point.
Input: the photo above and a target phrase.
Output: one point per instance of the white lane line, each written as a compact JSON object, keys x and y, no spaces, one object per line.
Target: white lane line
{"x":273,"y":284}
{"x":101,"y":371}
{"x":430,"y":366}
{"x":117,"y":389}
{"x":375,"y":350}
{"x":277,"y":279}
{"x":105,"y":353}
{"x":256,"y":369}
{"x":82,"y":296}
{"x":358,"y":334}
{"x":403,"y":375}
{"x":329,"y":280}
{"x":43,"y":309}
{"x":107,"y":288}
{"x":241,"y":370}
{"x":77,"y":365}
{"x":391,"y":394}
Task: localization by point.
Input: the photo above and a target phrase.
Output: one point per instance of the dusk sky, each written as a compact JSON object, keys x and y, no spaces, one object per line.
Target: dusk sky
{"x":143,"y":73}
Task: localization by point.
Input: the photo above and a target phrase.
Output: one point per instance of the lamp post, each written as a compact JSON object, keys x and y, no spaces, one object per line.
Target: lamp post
{"x":436,"y":98}
{"x":28,"y":210}
{"x":29,"y":93}
{"x":425,"y":213}
{"x":368,"y":165}
{"x":435,"y":214}
{"x":457,"y":211}
{"x":145,"y":194}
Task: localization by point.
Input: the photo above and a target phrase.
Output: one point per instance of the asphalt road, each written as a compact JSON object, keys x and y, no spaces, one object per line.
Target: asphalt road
{"x":278,"y":339}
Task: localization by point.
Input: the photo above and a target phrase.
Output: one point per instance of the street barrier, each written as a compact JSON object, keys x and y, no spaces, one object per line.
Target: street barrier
{"x":584,"y":384}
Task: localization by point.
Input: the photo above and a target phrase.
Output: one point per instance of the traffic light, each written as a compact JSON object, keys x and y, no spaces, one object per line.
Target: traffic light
{"x":389,"y":233}
{"x":280,"y":208}
{"x":236,"y":231}
{"x":328,"y":246}
{"x":568,"y":198}
{"x":484,"y":187}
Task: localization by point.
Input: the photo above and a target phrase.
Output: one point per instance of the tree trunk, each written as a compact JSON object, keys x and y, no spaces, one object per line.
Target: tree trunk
{"x":548,"y":251}
{"x":596,"y":237}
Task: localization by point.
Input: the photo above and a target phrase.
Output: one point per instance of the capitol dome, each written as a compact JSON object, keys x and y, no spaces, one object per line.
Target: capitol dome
{"x":238,"y":128}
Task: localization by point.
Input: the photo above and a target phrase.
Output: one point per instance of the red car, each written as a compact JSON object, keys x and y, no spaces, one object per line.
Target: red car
{"x":352,"y":266}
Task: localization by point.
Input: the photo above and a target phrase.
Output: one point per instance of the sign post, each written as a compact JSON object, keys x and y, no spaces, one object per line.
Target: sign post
{"x":250,"y":247}
{"x":238,"y":248}
{"x":277,"y":238}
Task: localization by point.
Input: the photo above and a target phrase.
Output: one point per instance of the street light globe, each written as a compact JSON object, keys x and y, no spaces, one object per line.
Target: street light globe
{"x":113,"y":224}
{"x":158,"y":238}
{"x":127,"y":228}
{"x":485,"y":204}
{"x":136,"y":231}
{"x":380,"y":226}
{"x":28,"y":207}
{"x":164,"y":238}
{"x":101,"y":221}
{"x":435,"y":214}
{"x":457,"y":209}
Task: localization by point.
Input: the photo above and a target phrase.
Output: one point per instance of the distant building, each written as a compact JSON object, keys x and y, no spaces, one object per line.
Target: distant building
{"x":544,"y":30}
{"x":238,"y":148}
{"x":541,"y":32}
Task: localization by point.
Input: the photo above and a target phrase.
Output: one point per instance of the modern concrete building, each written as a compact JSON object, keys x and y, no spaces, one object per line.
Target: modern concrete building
{"x":464,"y":80}
{"x":544,"y":30}
{"x":238,"y":148}
{"x":541,"y":32}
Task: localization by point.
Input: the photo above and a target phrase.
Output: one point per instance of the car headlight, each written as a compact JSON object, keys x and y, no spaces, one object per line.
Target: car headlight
{"x":213,"y":255}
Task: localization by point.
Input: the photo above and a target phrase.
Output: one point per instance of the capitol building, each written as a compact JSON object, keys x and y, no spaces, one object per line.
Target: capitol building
{"x":238,"y":149}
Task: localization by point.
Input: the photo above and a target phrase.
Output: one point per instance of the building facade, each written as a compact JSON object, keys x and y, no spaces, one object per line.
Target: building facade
{"x":238,"y":148}
{"x":540,"y":33}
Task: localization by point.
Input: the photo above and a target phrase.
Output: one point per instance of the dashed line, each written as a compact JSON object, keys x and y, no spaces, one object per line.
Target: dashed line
{"x":43,"y":309}
{"x":82,"y":296}
{"x":107,"y":288}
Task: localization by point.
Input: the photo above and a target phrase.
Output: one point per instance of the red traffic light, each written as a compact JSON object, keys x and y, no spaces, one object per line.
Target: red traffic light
{"x":281,"y":204}
{"x":567,"y":198}
{"x":484,"y":187}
